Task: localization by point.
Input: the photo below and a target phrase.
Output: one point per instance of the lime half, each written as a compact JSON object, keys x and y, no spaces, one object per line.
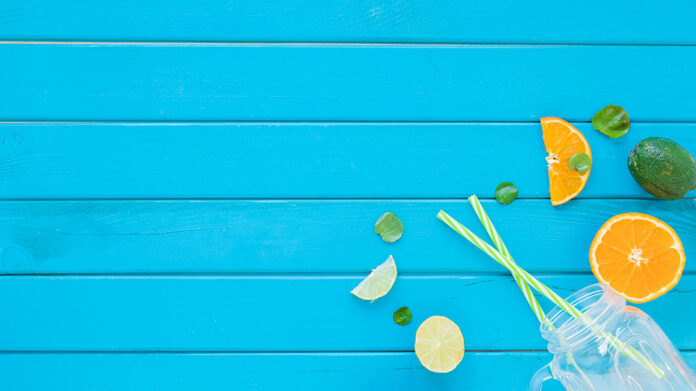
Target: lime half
{"x":439,"y":344}
{"x":378,"y":283}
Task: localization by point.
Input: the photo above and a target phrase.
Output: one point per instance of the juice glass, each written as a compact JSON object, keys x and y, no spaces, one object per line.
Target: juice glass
{"x":584,"y":360}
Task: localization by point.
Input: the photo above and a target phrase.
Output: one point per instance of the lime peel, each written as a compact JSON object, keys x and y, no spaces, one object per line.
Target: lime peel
{"x":439,"y":344}
{"x":378,"y":283}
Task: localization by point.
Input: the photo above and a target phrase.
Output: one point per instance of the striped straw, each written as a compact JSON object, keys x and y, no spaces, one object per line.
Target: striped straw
{"x":543,"y":289}
{"x":498,"y":241}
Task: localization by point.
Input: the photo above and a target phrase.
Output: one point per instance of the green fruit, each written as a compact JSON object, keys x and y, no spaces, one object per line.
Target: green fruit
{"x":663,"y":168}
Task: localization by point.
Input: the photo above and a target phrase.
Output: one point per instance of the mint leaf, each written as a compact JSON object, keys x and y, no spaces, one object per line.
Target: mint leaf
{"x":612,"y":120}
{"x":402,"y":316}
{"x":580,"y":162}
{"x":506,"y":192}
{"x":390,"y":227}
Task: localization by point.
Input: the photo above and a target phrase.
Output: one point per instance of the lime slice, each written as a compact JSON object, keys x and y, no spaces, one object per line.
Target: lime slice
{"x":439,"y":344}
{"x":378,"y":283}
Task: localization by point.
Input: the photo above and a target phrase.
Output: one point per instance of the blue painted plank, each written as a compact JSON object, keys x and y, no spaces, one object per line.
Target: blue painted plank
{"x":340,"y":371}
{"x":300,"y":160}
{"x":343,"y":82}
{"x":281,"y":313}
{"x":539,"y":21}
{"x":302,"y":236}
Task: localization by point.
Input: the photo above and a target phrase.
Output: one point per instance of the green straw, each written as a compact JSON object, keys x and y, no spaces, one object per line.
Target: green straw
{"x":531,"y":299}
{"x":540,"y":287}
{"x":498,"y":241}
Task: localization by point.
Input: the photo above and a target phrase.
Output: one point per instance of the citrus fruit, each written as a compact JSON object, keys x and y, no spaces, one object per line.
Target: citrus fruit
{"x":562,"y":142}
{"x":641,"y":257}
{"x":439,"y":344}
{"x":378,"y":283}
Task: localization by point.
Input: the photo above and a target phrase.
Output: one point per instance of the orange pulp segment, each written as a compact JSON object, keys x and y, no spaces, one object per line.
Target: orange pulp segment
{"x":639,"y":256}
{"x":562,"y":141}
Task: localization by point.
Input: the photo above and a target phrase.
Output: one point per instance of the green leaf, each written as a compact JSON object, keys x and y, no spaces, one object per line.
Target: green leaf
{"x":612,"y":120}
{"x":402,"y":316}
{"x":506,"y":192}
{"x":390,"y":227}
{"x":580,"y":162}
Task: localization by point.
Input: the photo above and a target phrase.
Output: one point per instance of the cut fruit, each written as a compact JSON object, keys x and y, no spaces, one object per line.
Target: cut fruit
{"x":639,"y":256}
{"x":562,"y":141}
{"x":378,"y":283}
{"x":439,"y":344}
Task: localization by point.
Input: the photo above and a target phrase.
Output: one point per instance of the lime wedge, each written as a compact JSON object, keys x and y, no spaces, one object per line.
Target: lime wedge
{"x":378,"y":283}
{"x":439,"y":344}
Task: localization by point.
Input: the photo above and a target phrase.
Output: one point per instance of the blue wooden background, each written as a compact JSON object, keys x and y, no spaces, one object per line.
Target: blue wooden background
{"x":188,"y":188}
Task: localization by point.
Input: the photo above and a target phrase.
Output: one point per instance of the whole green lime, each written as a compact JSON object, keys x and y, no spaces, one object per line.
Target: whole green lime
{"x":663,"y":168}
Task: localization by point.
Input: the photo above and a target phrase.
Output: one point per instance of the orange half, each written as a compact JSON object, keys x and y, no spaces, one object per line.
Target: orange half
{"x":638,"y":255}
{"x":562,"y":141}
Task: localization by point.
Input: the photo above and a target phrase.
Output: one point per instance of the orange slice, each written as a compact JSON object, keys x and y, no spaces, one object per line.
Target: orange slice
{"x":641,"y":257}
{"x":562,"y":141}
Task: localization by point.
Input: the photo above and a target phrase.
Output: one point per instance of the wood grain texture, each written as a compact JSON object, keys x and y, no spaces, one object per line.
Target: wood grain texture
{"x":303,"y":236}
{"x":343,"y":82}
{"x":539,"y":21}
{"x":146,"y":372}
{"x":300,"y":160}
{"x":342,"y":371}
{"x":282,"y":313}
{"x":204,"y":228}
